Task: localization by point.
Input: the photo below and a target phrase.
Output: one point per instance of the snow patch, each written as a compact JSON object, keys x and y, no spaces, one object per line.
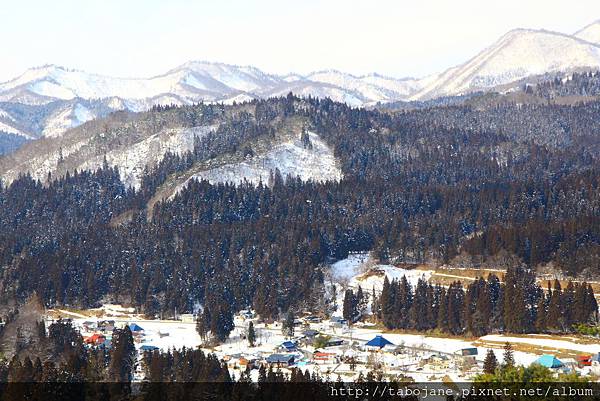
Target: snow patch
{"x":290,"y":158}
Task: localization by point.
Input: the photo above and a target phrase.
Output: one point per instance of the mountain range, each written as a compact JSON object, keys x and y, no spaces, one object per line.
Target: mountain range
{"x":46,"y":101}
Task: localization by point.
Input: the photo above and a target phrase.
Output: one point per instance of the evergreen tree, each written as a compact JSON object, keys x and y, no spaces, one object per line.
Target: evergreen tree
{"x":509,"y":358}
{"x":287,"y":327}
{"x":251,"y":334}
{"x":490,"y":362}
{"x":350,"y":306}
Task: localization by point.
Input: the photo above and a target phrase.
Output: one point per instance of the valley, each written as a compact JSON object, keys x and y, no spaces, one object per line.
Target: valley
{"x":218,"y":231}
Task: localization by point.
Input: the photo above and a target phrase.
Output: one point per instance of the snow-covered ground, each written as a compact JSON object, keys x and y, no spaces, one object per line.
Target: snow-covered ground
{"x":133,"y":159}
{"x":170,"y":334}
{"x":291,"y":158}
{"x":360,"y":270}
{"x":66,"y":118}
{"x":546,"y":342}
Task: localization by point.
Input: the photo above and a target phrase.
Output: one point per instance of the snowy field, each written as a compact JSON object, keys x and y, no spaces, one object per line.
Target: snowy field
{"x":546,"y":342}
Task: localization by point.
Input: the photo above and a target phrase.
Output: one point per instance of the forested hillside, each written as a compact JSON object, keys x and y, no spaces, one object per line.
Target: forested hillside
{"x":423,"y":186}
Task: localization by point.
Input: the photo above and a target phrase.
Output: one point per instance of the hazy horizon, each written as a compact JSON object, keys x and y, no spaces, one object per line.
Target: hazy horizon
{"x":392,"y":39}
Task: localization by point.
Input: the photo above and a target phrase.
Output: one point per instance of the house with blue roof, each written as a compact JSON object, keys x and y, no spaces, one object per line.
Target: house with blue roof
{"x":549,"y":361}
{"x":280,"y":360}
{"x":378,"y":342}
{"x":288,"y":346}
{"x":135,"y":328}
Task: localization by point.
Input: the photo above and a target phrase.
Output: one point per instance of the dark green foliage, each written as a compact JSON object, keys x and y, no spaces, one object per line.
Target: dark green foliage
{"x":486,"y":306}
{"x":287,"y":326}
{"x":490,"y":363}
{"x":509,"y":357}
{"x":447,"y":184}
{"x":251,"y":334}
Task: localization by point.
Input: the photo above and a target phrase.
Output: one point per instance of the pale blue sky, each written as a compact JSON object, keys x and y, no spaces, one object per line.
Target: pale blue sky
{"x":143,"y":38}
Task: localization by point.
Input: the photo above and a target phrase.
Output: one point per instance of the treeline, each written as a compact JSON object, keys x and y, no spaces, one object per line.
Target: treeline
{"x":446,"y":185}
{"x":515,"y":305}
{"x":578,"y":84}
{"x":59,"y":355}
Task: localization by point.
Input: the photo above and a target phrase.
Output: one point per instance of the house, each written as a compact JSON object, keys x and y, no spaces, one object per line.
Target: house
{"x":337,"y":320}
{"x":106,"y":326}
{"x":148,"y":348}
{"x":312,"y":319}
{"x":468,"y":351}
{"x":246,"y":362}
{"x":280,"y":360}
{"x":437,"y":362}
{"x":334,"y":342}
{"x":377,"y":343}
{"x":89,"y":326}
{"x":323,"y":357}
{"x":95,"y":339}
{"x":187,"y":318}
{"x":135,"y":328}
{"x":549,"y":361}
{"x":310,"y":333}
{"x":584,"y":360}
{"x":288,"y":346}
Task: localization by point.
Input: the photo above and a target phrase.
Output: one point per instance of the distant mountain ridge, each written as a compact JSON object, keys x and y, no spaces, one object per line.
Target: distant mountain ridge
{"x":46,"y":101}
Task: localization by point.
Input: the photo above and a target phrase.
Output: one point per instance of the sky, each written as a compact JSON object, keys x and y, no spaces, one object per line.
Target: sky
{"x":142,"y":38}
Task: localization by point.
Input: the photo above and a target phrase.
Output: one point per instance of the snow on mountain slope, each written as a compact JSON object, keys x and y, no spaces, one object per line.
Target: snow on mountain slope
{"x":244,"y":78}
{"x":372,"y":88}
{"x":590,"y":33}
{"x":9,"y":129}
{"x":84,"y":153}
{"x":60,"y":83}
{"x":306,"y":88}
{"x":517,"y":55}
{"x":132,"y":160}
{"x":291,"y":158}
{"x":68,"y":117}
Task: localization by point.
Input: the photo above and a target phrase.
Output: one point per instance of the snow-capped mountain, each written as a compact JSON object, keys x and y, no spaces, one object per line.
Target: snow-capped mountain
{"x":48,"y":100}
{"x":590,"y":33}
{"x":519,"y":54}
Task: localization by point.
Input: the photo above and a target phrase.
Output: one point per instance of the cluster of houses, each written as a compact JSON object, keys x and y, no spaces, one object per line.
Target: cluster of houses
{"x":100,"y":333}
{"x":379,"y":352}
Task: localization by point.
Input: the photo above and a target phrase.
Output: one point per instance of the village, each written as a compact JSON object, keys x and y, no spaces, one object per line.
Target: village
{"x":333,"y":347}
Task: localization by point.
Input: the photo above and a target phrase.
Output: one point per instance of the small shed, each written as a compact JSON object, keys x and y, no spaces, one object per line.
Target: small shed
{"x":187,"y":318}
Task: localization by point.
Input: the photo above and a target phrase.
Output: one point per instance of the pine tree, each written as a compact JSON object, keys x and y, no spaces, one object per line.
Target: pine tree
{"x":509,"y":358}
{"x":349,"y":308}
{"x":251,"y":334}
{"x":490,"y":362}
{"x":287,"y":327}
